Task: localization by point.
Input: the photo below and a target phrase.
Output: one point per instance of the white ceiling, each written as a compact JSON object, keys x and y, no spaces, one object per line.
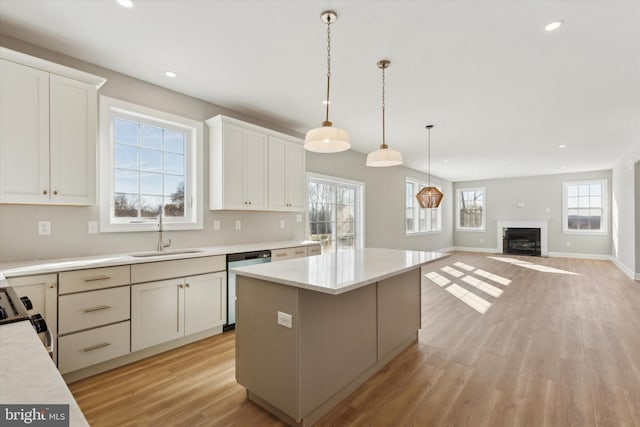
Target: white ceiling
{"x":503,"y":93}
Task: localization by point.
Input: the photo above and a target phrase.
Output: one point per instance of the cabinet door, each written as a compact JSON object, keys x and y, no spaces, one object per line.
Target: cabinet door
{"x":233,"y":140}
{"x":157,"y":313}
{"x":296,"y":180}
{"x":205,"y":302}
{"x":256,"y":171}
{"x":24,"y":134}
{"x":73,"y":119}
{"x":43,"y":293}
{"x":277,"y":175}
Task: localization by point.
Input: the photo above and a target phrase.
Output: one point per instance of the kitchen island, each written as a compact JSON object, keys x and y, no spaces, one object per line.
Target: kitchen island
{"x":311,"y":330}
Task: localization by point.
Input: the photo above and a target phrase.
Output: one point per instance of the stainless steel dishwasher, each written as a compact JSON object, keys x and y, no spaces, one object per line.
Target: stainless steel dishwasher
{"x":239,"y":260}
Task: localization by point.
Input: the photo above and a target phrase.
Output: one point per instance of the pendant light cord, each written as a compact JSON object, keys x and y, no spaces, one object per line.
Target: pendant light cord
{"x":326,"y":120}
{"x":429,"y":152}
{"x":384,"y":144}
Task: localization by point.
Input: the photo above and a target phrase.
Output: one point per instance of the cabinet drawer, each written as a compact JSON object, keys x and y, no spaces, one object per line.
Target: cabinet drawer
{"x":93,"y":278}
{"x":77,"y":351}
{"x":161,"y":270}
{"x":314,"y":250}
{"x":288,"y":253}
{"x":91,"y":309}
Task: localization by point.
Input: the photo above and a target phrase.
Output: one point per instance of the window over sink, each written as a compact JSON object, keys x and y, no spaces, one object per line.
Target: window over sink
{"x":151,"y":164}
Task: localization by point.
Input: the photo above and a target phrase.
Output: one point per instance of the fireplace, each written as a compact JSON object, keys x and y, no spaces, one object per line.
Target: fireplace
{"x":521,"y":241}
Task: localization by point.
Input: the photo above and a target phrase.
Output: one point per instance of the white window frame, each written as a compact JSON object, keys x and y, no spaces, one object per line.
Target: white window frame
{"x":111,"y":108}
{"x":604,"y":221}
{"x":482,"y":228}
{"x":359,"y":241}
{"x":417,"y":209}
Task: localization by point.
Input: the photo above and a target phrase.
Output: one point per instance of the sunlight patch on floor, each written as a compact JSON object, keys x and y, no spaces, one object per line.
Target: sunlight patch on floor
{"x":438,"y":279}
{"x":464,"y":266}
{"x":533,"y":266}
{"x":452,"y":271}
{"x":472,"y":300}
{"x":493,"y":277}
{"x":483,"y":286}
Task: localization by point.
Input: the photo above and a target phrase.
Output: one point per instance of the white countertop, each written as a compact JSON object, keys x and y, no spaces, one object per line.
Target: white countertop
{"x":28,"y":375}
{"x":27,"y":268}
{"x":338,"y":273}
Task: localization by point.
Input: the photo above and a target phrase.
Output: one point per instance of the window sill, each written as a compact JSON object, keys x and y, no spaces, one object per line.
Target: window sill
{"x":473,"y":230}
{"x":585,"y":233}
{"x":422,"y":233}
{"x":149,"y":226}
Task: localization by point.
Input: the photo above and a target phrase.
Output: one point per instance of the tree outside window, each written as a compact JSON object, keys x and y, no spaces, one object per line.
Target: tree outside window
{"x":471,"y":209}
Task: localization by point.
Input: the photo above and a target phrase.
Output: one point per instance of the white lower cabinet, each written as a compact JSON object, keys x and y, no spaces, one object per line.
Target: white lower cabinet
{"x":165,"y":310}
{"x":93,"y":346}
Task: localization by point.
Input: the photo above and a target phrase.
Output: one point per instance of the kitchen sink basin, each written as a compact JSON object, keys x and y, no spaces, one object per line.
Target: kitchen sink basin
{"x":165,"y":252}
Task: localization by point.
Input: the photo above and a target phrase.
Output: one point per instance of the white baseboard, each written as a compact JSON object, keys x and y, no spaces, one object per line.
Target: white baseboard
{"x":579,"y":255}
{"x":626,"y":270}
{"x":465,"y":249}
{"x":445,"y":250}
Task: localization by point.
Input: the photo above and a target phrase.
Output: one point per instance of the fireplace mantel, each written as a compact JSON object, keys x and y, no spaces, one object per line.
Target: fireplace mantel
{"x":543,"y":225}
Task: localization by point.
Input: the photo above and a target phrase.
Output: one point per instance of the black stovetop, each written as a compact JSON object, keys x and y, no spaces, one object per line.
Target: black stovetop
{"x":11,"y":307}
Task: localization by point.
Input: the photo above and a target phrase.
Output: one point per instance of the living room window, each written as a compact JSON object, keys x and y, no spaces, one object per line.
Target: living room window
{"x":470,"y":212}
{"x":151,"y":165}
{"x":584,"y":206}
{"x":417,"y":219}
{"x":335,"y":213}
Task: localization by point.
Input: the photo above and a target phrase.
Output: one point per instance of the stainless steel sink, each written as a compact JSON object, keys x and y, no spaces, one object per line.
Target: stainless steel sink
{"x":165,"y":252}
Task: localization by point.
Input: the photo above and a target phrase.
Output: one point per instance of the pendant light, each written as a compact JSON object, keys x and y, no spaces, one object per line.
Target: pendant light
{"x":327,"y":139}
{"x":385,"y":156}
{"x":429,"y":197}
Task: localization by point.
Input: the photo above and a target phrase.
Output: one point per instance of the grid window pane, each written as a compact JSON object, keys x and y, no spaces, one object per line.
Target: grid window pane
{"x":584,"y":206}
{"x":471,"y":208}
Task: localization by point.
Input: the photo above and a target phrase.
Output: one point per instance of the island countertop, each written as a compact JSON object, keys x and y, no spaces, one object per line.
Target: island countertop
{"x":337,"y":273}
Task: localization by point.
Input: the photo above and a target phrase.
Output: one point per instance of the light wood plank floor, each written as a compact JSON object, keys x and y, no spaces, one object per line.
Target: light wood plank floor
{"x":552,"y":350}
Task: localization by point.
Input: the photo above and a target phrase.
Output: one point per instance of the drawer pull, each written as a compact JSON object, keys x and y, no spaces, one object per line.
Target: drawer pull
{"x":97,"y":278}
{"x":299,"y":252}
{"x":97,"y":346}
{"x":98,"y":308}
{"x":282,"y":254}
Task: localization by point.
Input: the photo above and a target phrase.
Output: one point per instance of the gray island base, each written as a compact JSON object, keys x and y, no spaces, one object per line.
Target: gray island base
{"x":350,"y":314}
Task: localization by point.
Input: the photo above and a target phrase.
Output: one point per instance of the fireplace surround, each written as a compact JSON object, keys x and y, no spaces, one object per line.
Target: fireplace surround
{"x":543,"y":225}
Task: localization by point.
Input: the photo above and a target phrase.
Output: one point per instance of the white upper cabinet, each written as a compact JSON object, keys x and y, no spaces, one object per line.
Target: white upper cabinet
{"x":254,"y":168}
{"x":48,"y":118}
{"x":286,"y":175}
{"x":237,"y":166}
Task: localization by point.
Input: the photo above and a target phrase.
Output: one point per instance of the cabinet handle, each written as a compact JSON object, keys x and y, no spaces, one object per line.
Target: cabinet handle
{"x":55,"y":192}
{"x":97,"y":308}
{"x":45,"y":192}
{"x":181,"y":286}
{"x":52,"y":285}
{"x":282,"y":254}
{"x":97,"y":346}
{"x":97,"y":278}
{"x":299,"y":252}
{"x":188,"y":285}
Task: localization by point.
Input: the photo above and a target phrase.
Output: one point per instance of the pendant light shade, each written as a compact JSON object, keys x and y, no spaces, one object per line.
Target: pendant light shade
{"x":429,"y":197}
{"x":385,"y":156}
{"x":327,"y":139}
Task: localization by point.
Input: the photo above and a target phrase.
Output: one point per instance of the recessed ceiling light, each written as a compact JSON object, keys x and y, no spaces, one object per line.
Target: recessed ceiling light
{"x":554,"y":25}
{"x":126,"y":3}
{"x":562,"y":146}
{"x":563,"y":167}
{"x":325,"y":102}
{"x":170,"y":74}
{"x":445,"y":161}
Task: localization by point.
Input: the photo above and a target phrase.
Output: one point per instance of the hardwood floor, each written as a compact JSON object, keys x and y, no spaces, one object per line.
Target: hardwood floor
{"x":552,"y":349}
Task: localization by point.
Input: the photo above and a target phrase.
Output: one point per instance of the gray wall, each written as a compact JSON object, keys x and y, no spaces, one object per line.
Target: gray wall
{"x":624,"y":207}
{"x":541,"y":199}
{"x":384,"y":200}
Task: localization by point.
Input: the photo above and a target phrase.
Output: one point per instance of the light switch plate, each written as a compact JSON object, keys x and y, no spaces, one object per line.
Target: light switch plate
{"x":216,"y":225}
{"x":92,"y":227}
{"x":282,"y":223}
{"x":298,"y":218}
{"x":238,"y":224}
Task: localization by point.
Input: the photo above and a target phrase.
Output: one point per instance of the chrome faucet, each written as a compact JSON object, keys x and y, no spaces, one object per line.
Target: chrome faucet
{"x":161,"y":244}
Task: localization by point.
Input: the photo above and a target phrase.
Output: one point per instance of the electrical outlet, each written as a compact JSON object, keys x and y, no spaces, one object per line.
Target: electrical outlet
{"x":238,"y":224}
{"x":298,"y":218}
{"x":282,"y":223}
{"x":92,"y":227}
{"x":44,"y":228}
{"x":216,"y":225}
{"x":285,"y":319}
